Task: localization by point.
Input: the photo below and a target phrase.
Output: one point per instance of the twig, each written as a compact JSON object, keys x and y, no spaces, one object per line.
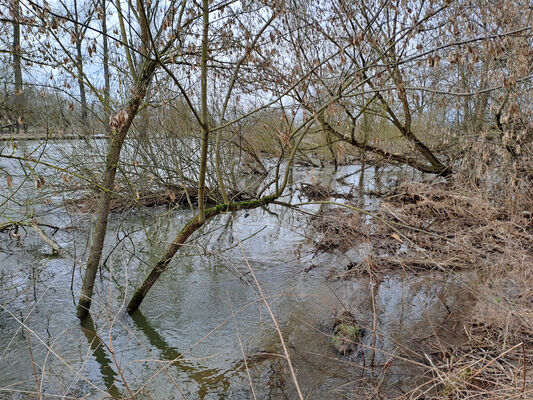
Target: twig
{"x":276,"y":325}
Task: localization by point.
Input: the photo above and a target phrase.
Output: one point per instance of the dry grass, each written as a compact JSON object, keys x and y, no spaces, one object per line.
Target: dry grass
{"x":492,"y":364}
{"x":451,"y":226}
{"x":335,"y":229}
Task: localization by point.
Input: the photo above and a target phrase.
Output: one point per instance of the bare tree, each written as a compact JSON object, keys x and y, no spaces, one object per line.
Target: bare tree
{"x":14,"y":8}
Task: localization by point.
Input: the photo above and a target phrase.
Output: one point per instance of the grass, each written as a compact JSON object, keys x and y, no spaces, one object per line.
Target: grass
{"x":346,"y":333}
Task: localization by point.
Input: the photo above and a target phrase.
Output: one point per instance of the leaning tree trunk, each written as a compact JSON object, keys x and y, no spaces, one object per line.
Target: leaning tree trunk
{"x":113,"y":156}
{"x":436,"y":166}
{"x":200,"y":219}
{"x":192,"y":226}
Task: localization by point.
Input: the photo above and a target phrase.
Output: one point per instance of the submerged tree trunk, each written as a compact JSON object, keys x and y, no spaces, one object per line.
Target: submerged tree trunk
{"x":192,"y":226}
{"x":113,"y":156}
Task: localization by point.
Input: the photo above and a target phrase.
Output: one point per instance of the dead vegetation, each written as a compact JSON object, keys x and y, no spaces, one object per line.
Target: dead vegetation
{"x":431,"y":226}
{"x":317,"y":191}
{"x":336,"y":229}
{"x":125,"y":201}
{"x":492,"y":364}
{"x":446,"y":227}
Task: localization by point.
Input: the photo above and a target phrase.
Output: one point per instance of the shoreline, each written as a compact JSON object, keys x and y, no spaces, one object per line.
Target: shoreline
{"x":44,"y":136}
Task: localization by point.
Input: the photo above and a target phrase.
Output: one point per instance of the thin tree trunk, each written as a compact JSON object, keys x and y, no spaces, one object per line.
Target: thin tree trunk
{"x":204,"y":114}
{"x":113,"y":156}
{"x":192,"y":226}
{"x":17,"y":65}
{"x":81,"y":84}
{"x":329,"y":142}
{"x":79,"y":64}
{"x":107,"y":85}
{"x":481,"y":101}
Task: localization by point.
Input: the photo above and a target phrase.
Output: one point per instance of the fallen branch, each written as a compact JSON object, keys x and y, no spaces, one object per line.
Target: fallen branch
{"x":56,"y":249}
{"x":36,"y":226}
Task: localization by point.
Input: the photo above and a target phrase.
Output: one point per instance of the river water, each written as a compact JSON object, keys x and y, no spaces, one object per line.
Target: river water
{"x":203,"y":331}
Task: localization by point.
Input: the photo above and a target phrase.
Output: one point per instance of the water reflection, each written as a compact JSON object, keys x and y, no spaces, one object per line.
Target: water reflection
{"x":97,"y":346}
{"x":188,"y":302}
{"x":209,"y":380}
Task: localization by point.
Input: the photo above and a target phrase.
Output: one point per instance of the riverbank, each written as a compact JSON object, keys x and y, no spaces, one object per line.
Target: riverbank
{"x":448,"y":229}
{"x":8,"y":137}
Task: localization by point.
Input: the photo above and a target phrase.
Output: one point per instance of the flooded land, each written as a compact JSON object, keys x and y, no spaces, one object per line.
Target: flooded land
{"x":203,"y":332}
{"x":256,"y":199}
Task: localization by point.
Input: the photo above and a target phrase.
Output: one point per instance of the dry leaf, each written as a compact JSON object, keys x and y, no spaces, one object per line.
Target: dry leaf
{"x":397,"y":237}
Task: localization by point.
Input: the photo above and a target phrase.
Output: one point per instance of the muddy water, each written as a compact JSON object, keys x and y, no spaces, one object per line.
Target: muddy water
{"x":204,"y":318}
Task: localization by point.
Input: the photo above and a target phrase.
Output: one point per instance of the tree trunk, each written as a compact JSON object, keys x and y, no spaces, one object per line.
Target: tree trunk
{"x":405,"y":128}
{"x":431,"y":169}
{"x":107,"y":85}
{"x":192,"y":226}
{"x":17,"y":66}
{"x":113,"y":156}
{"x":204,"y":113}
{"x":81,"y":84}
{"x":79,"y":64}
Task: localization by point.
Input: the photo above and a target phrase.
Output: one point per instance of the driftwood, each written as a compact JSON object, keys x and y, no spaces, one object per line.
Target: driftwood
{"x":317,"y":191}
{"x":56,"y":249}
{"x":171,"y":196}
{"x":14,"y":226}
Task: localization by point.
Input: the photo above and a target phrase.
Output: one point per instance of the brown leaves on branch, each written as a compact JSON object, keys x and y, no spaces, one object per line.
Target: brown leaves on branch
{"x":285,"y":138}
{"x":118,"y":120}
{"x":433,"y":60}
{"x":39,"y":182}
